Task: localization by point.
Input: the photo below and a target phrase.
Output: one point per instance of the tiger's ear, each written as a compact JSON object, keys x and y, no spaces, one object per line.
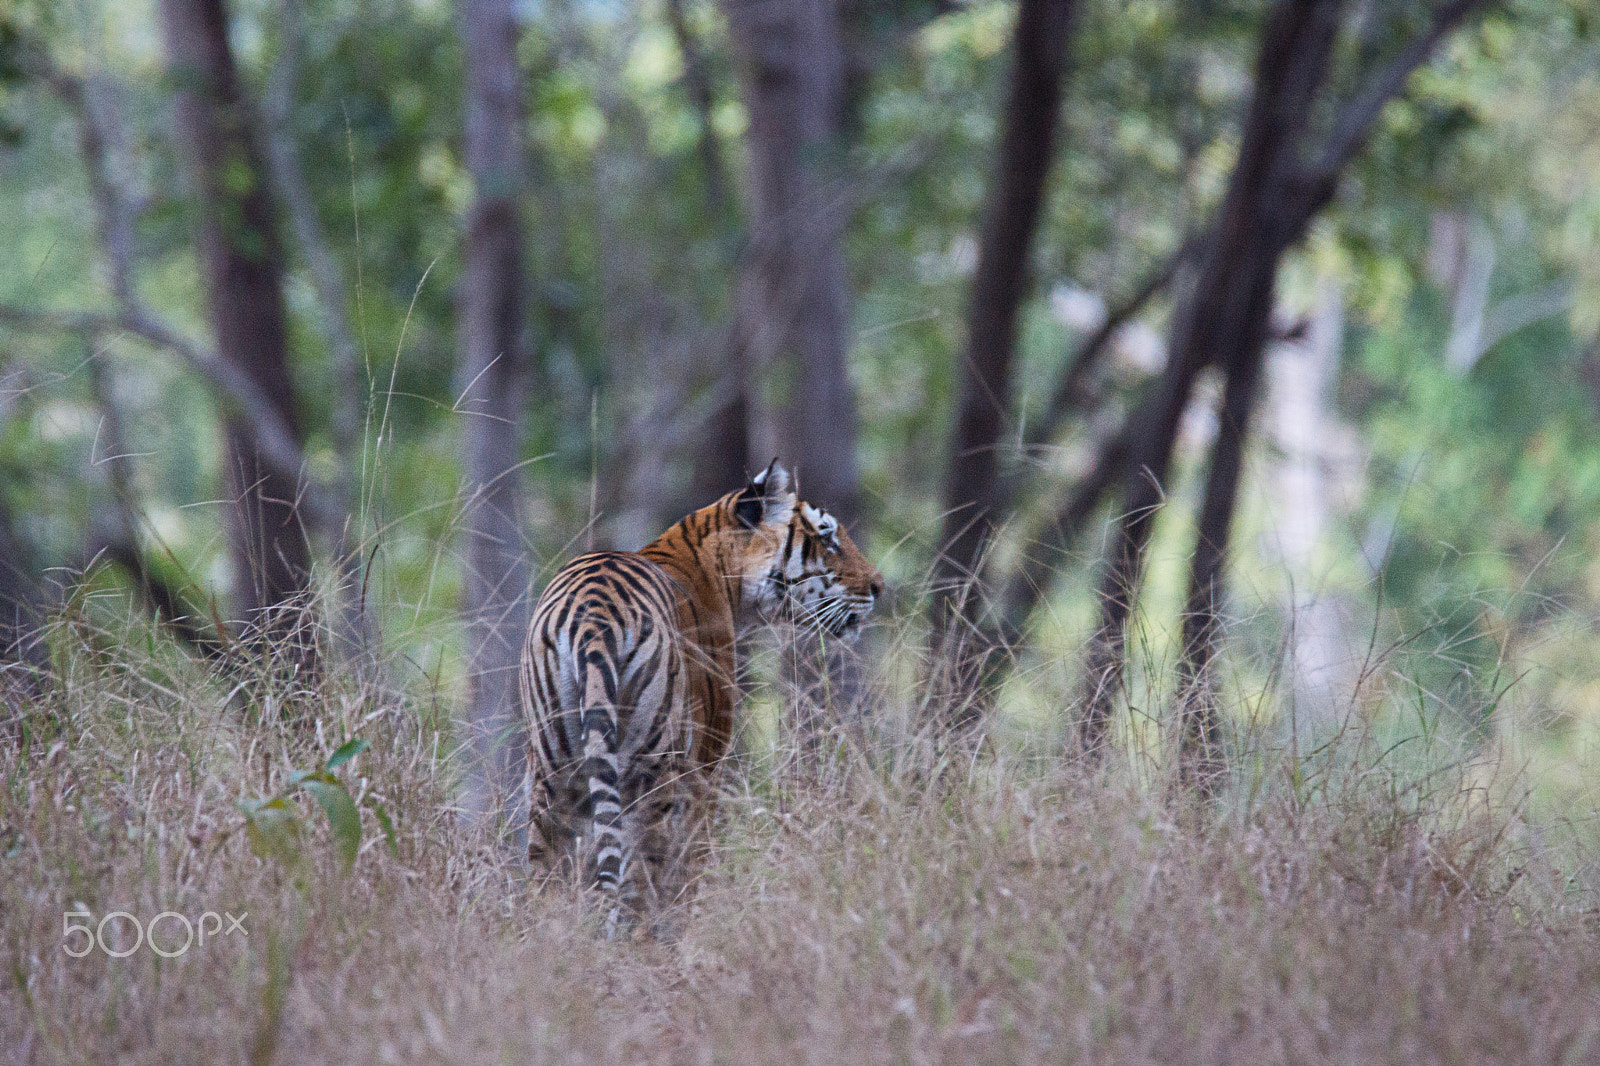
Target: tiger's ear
{"x":767,"y":499}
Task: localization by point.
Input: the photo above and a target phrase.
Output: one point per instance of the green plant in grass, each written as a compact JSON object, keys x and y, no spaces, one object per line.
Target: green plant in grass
{"x":273,"y":826}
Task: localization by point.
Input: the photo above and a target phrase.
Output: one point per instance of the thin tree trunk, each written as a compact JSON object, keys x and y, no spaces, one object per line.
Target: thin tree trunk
{"x":243,"y":270}
{"x":972,"y":489}
{"x":494,"y":373}
{"x":793,"y":311}
{"x":1202,"y":626}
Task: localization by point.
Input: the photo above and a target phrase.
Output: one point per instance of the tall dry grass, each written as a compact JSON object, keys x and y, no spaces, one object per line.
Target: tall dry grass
{"x":870,"y":899}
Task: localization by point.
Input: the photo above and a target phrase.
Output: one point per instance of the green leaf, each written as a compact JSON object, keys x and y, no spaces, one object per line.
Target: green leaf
{"x":347,"y":751}
{"x":272,"y":829}
{"x":387,"y":826}
{"x":335,"y":801}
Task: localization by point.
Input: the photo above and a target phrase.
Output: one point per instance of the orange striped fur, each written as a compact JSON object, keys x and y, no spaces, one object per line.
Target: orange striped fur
{"x":628,"y":676}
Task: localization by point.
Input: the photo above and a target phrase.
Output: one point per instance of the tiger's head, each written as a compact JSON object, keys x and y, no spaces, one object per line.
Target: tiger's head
{"x":800,"y":564}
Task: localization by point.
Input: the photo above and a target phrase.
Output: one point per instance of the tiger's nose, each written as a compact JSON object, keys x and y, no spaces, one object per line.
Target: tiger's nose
{"x":876,"y":586}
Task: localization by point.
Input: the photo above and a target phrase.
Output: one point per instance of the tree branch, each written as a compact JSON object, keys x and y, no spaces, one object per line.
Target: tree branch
{"x":1069,"y":391}
{"x":232,"y":387}
{"x":1355,"y":123}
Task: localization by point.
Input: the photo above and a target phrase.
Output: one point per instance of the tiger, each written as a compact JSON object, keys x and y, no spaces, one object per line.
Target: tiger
{"x":627,"y":678}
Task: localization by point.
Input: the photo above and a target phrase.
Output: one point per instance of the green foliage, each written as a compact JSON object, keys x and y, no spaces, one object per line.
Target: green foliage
{"x":1477,"y":509}
{"x":274,"y":826}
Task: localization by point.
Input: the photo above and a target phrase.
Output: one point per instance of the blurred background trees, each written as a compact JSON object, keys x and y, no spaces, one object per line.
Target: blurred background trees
{"x":403,"y":304}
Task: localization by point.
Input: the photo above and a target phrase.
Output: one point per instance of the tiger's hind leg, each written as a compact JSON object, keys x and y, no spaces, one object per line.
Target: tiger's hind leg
{"x":552,"y":843}
{"x":674,"y":845}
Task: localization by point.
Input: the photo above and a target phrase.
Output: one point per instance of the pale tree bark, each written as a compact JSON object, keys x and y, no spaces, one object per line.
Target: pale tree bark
{"x":242,"y":267}
{"x":494,"y":375}
{"x":972,"y":501}
{"x":793,"y":308}
{"x":1300,"y":376}
{"x":1469,"y":297}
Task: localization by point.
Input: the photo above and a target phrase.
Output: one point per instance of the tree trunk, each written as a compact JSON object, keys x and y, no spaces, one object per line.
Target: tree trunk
{"x":1272,"y":197}
{"x":1202,"y":626}
{"x":722,"y":460}
{"x":972,"y":503}
{"x":494,"y":372}
{"x":1300,"y":375}
{"x":242,"y":267}
{"x":793,"y":310}
{"x":1223,"y":320}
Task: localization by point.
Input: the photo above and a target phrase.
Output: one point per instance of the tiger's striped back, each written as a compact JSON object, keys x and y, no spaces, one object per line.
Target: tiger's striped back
{"x":628,"y":674}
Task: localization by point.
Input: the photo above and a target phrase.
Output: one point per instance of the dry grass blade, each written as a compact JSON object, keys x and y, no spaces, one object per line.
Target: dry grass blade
{"x":872,"y":899}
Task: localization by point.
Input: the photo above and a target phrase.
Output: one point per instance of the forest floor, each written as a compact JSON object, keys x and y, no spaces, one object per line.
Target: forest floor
{"x":861,"y":906}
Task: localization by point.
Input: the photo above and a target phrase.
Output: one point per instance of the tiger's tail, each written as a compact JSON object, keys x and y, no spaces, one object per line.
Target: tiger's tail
{"x":602,"y":771}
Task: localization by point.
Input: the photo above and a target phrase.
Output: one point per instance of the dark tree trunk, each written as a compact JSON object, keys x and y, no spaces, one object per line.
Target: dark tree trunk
{"x":793,"y":308}
{"x":1202,"y":728}
{"x":242,"y":266}
{"x":1272,"y":196}
{"x":972,"y":495}
{"x":722,"y":458}
{"x":1226,"y":314}
{"x":723,"y":461}
{"x":494,"y":374}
